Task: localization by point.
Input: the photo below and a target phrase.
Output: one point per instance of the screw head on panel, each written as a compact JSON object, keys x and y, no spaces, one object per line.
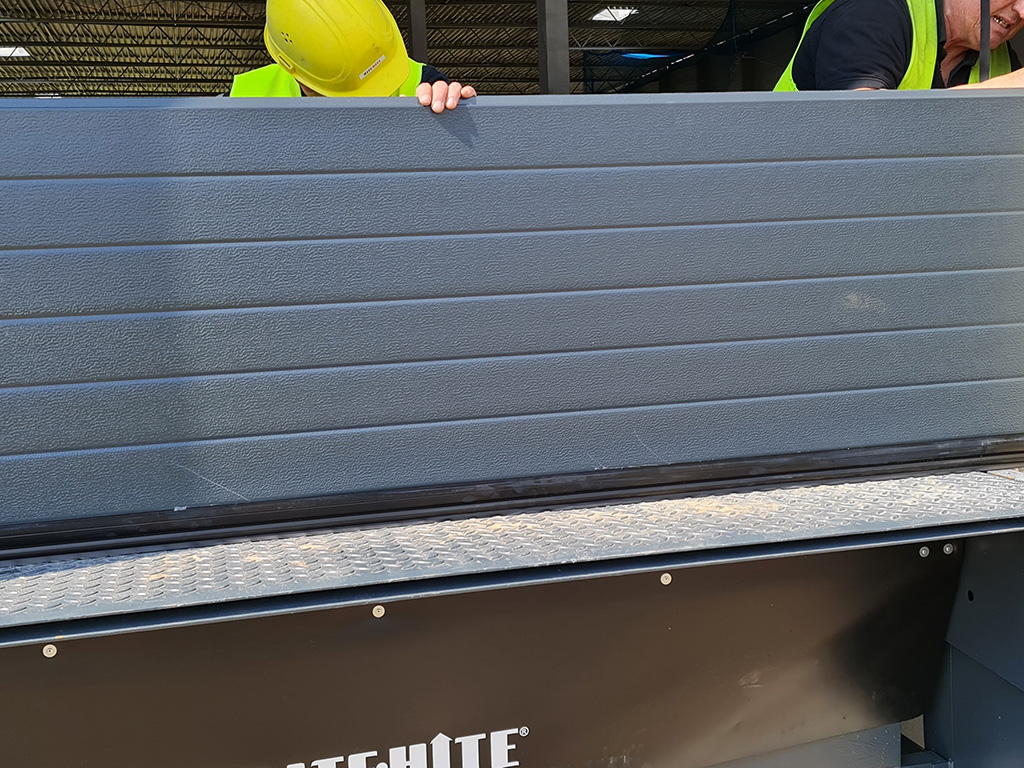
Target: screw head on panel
{"x":924,"y":551}
{"x":666,"y":578}
{"x":948,"y":549}
{"x":378,"y":611}
{"x":49,"y":650}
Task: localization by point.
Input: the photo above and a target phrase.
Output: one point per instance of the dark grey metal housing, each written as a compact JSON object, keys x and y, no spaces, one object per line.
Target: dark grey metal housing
{"x":207,"y":302}
{"x":792,"y":628}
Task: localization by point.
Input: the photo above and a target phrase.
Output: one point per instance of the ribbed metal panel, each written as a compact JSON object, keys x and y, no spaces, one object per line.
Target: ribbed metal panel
{"x":224,"y":301}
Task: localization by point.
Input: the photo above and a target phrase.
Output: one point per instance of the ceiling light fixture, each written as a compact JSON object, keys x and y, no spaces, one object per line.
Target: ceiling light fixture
{"x":10,"y":52}
{"x":613,"y":14}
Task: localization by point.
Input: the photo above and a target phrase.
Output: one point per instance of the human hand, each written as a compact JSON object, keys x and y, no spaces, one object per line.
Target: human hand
{"x":441,"y":95}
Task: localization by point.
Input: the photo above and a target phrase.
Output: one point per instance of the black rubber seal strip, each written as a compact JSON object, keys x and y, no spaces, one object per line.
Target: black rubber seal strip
{"x":507,"y":495}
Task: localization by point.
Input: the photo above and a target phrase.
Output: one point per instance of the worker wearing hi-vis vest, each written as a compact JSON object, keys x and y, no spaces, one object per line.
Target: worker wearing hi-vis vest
{"x":907,"y":44}
{"x":342,"y":48}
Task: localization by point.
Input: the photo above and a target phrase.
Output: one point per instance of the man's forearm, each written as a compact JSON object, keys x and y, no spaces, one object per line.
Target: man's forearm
{"x":1012,"y":80}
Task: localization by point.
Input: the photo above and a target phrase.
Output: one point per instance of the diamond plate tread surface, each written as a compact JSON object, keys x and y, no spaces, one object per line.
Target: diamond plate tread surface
{"x":37,"y":592}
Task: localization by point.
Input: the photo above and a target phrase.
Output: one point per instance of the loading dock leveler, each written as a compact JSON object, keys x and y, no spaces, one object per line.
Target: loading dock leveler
{"x":747,"y":400}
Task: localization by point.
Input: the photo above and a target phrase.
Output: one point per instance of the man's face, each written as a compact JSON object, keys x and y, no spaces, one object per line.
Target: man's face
{"x":963,"y":22}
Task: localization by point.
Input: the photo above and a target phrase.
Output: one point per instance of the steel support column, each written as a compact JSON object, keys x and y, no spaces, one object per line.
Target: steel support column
{"x":418,"y":29}
{"x":553,"y":45}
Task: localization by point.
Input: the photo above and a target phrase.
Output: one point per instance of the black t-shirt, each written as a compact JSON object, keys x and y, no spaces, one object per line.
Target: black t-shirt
{"x":855,"y":44}
{"x":432,"y":75}
{"x":866,"y":44}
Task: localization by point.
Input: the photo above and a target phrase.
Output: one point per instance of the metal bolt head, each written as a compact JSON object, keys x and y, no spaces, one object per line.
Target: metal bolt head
{"x":948,"y":549}
{"x":49,"y":650}
{"x":666,"y":578}
{"x":924,"y":551}
{"x":378,"y":611}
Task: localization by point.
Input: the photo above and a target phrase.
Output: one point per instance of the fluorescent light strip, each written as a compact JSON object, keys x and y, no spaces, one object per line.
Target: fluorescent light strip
{"x":613,"y":14}
{"x":10,"y":52}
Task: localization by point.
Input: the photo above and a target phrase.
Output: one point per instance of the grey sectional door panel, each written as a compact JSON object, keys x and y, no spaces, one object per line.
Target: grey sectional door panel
{"x":214,"y":301}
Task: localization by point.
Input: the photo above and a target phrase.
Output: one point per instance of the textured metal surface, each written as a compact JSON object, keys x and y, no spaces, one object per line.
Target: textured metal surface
{"x":271,"y":137}
{"x":35,"y":592}
{"x":236,"y":311}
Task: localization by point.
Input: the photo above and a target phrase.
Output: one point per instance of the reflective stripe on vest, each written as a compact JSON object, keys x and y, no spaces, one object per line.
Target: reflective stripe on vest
{"x":998,"y":65}
{"x":924,"y":48}
{"x":273,"y":80}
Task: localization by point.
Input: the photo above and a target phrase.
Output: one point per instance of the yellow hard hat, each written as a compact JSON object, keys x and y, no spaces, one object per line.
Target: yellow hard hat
{"x":338,"y":47}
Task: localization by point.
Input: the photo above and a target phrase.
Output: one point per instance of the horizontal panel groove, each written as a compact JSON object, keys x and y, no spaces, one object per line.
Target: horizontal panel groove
{"x":464,"y":234}
{"x":830,"y":163}
{"x":103,"y":281}
{"x":561,"y":353}
{"x":584,"y":413}
{"x":471,"y":358}
{"x":434,"y":300}
{"x":227,"y":136}
{"x":439,"y":236}
{"x":127,"y":212}
{"x":495,"y":170}
{"x":318,"y":465}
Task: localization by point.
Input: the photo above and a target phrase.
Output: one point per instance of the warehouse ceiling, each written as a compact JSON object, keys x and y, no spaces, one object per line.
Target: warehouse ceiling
{"x":193,"y":47}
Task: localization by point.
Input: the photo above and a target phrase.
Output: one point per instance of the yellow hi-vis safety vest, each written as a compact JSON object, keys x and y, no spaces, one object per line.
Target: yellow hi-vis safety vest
{"x":924,"y":49}
{"x":273,"y":80}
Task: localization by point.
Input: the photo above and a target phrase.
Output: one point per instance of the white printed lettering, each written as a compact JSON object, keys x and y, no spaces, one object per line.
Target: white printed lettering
{"x":471,"y":749}
{"x":440,"y":752}
{"x":361,"y":760}
{"x":370,"y":68}
{"x":413,"y":757}
{"x":500,"y":749}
